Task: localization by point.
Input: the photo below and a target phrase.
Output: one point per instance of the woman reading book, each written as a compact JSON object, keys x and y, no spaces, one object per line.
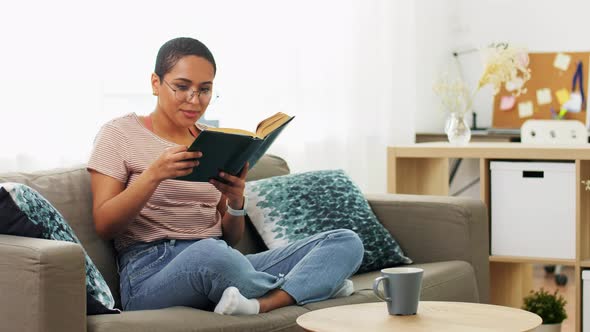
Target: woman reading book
{"x":174,"y":237}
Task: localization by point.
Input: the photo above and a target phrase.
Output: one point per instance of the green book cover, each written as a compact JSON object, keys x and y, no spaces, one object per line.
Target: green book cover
{"x":229,"y":151}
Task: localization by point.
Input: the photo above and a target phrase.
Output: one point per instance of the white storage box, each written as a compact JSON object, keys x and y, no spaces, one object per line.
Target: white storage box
{"x":586,"y":301}
{"x":533,"y":209}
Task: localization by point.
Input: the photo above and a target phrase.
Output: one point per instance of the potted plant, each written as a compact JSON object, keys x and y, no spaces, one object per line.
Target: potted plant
{"x":551,"y":308}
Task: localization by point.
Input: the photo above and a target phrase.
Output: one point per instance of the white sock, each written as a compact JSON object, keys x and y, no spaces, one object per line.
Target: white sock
{"x":234,"y":303}
{"x":346,"y":289}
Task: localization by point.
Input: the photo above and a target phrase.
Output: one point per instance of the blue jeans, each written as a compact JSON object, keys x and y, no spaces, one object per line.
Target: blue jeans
{"x":195,"y":273}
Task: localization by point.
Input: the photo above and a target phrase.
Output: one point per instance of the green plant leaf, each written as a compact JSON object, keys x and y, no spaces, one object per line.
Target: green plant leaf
{"x":550,"y":307}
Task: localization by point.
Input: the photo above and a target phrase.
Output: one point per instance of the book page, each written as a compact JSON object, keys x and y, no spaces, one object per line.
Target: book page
{"x":233,"y":131}
{"x":264,"y":128}
{"x":268,"y":125}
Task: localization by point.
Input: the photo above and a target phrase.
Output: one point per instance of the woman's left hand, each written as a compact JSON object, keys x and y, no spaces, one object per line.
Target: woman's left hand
{"x":234,"y":188}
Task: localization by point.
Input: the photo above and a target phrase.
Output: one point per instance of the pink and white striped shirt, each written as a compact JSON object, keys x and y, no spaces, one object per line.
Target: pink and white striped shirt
{"x":123,"y":149}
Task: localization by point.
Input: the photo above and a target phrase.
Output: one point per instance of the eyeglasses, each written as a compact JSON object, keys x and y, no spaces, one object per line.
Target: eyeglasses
{"x":184,"y":93}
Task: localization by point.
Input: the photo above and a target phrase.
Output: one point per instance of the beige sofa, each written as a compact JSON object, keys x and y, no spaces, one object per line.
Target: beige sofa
{"x":42,"y":281}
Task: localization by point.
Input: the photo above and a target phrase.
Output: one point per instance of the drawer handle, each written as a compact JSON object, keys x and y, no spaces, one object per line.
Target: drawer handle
{"x":533,"y":174}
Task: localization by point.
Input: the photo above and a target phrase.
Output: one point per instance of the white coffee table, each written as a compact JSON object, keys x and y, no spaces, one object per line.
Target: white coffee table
{"x":431,"y":316}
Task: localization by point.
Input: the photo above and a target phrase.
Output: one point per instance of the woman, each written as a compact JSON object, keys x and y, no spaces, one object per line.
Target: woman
{"x":174,"y":237}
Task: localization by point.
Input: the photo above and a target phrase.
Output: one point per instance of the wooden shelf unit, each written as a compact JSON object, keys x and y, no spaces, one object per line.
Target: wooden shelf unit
{"x":423,"y":169}
{"x":534,"y":260}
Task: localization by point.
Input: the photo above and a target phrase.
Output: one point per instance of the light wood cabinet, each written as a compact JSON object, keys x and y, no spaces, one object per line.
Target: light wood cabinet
{"x":424,"y":169}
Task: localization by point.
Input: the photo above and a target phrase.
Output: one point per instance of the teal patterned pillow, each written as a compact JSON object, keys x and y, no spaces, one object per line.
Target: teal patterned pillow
{"x":288,"y":208}
{"x":24,"y":212}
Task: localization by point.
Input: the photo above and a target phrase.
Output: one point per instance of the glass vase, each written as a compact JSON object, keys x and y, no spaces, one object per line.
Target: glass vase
{"x":457,"y":129}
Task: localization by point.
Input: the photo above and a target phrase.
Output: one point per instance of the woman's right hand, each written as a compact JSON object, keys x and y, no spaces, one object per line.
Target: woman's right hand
{"x":174,"y":162}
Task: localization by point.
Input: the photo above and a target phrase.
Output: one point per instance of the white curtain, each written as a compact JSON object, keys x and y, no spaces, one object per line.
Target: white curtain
{"x":344,"y":68}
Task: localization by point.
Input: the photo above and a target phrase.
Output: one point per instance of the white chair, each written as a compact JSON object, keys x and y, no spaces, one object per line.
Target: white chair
{"x":561,"y":132}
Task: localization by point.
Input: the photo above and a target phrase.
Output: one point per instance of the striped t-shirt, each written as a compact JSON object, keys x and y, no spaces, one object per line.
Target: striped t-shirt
{"x":123,"y":149}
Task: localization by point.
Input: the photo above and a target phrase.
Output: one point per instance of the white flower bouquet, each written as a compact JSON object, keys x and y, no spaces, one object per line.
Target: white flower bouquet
{"x":502,"y":65}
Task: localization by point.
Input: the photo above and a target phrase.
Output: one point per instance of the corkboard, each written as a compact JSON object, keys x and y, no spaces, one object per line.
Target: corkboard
{"x":544,"y":75}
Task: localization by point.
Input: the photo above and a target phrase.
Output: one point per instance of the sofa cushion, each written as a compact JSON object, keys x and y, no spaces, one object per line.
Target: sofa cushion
{"x":24,"y":212}
{"x":359,"y":296}
{"x":184,"y":319}
{"x":288,"y":208}
{"x":268,"y":166}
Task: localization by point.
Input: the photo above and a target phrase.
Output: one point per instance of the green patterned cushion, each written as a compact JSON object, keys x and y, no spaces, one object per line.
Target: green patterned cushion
{"x":288,"y":208}
{"x":24,"y":212}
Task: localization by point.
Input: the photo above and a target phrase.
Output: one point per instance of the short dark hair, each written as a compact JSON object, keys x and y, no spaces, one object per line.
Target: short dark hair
{"x":177,"y":48}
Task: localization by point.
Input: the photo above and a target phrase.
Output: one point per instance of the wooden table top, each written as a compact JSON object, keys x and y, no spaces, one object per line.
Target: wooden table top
{"x":492,"y":150}
{"x":431,"y":316}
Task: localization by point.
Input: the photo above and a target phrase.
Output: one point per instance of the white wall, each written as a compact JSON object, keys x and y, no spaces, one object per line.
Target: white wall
{"x":435,"y":26}
{"x":539,"y":25}
{"x":345,"y":69}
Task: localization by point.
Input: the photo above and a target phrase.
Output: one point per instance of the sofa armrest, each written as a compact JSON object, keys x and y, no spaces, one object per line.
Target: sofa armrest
{"x":43,"y":285}
{"x":438,"y":228}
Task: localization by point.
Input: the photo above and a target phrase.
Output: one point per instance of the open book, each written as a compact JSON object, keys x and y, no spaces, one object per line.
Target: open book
{"x":228,"y":149}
